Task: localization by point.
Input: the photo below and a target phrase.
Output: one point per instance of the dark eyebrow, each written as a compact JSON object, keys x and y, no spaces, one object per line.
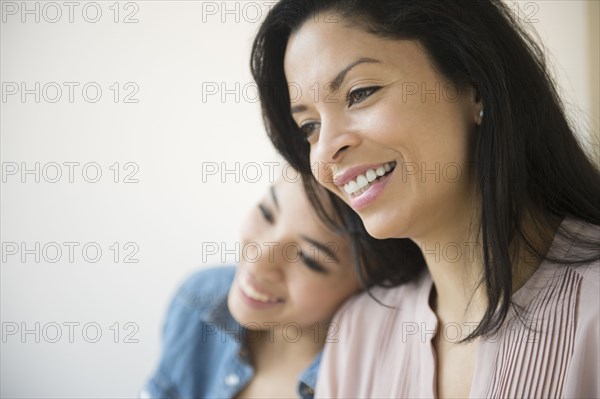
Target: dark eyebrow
{"x":325,"y":248}
{"x":298,"y":108}
{"x":339,"y":79}
{"x":274,"y":197}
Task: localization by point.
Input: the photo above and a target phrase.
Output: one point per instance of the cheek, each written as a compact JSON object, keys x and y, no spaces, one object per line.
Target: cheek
{"x":322,"y":171}
{"x":391,"y":124}
{"x":428,"y":134}
{"x":249,"y":228}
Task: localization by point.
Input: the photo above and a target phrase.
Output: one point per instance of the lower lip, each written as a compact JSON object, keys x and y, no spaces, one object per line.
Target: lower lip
{"x":254,"y":303}
{"x":372,"y":193}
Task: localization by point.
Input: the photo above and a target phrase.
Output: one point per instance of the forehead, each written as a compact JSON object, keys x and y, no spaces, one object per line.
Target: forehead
{"x":296,"y":209}
{"x":292,"y":191}
{"x":320,"y":49}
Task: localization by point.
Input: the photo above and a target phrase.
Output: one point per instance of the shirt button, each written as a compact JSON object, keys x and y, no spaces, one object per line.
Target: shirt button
{"x":307,"y":391}
{"x":232,"y":380}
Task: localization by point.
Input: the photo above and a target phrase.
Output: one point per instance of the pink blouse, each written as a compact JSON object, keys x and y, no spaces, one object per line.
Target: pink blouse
{"x":387,"y":353}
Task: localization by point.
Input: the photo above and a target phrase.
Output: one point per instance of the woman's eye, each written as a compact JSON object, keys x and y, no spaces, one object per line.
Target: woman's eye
{"x":311,"y":263}
{"x":358,"y":95}
{"x":266,"y":213}
{"x":309,"y":129}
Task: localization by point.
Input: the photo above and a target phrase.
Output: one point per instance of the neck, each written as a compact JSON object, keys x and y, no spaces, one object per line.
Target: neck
{"x":454,"y":257}
{"x":291,"y":346}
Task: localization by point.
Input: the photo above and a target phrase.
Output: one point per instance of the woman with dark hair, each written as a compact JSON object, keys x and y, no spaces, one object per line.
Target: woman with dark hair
{"x":437,"y":122}
{"x":257,"y":329}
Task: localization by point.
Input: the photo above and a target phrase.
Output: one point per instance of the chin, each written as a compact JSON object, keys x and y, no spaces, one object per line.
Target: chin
{"x":381,"y":227}
{"x":234,"y":307}
{"x":379,"y":232}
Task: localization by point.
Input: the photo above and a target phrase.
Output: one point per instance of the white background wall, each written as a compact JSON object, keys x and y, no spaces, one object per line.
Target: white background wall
{"x":175,"y":55}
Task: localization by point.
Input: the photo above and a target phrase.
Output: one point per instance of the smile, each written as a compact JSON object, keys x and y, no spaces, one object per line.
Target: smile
{"x":252,"y":293}
{"x":364,"y":184}
{"x":363,"y":181}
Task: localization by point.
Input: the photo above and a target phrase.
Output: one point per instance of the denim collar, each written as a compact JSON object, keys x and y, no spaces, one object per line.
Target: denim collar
{"x":308,"y":378}
{"x":220,"y":315}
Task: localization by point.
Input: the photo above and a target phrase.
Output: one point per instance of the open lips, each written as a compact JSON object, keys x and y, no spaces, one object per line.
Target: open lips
{"x":362,"y":182}
{"x":252,"y":293}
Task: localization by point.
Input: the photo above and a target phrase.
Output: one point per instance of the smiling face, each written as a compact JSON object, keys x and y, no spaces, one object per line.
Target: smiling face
{"x":390,"y":135}
{"x":293,"y":269}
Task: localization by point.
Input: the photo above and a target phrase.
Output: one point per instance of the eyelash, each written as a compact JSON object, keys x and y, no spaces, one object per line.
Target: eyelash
{"x":311,"y":264}
{"x":306,"y":133}
{"x":266,"y":214}
{"x":349,"y":101}
{"x":369,"y":90}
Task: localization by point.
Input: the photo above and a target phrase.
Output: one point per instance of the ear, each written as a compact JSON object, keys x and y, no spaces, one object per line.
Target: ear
{"x":479,"y":115}
{"x":476,"y":106}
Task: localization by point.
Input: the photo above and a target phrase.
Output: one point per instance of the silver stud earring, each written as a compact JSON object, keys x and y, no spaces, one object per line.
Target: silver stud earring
{"x":481,"y":114}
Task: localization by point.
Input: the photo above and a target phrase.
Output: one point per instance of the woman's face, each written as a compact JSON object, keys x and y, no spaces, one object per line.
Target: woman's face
{"x":293,"y":269}
{"x":387,"y":133}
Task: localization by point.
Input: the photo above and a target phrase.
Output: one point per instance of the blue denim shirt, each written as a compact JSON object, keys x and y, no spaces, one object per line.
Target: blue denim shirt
{"x":204,"y":355}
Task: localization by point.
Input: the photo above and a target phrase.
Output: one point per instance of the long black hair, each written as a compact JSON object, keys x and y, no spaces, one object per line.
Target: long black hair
{"x":531,"y":170}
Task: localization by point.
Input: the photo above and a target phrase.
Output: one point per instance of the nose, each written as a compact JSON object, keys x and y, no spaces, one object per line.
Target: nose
{"x":335,"y":140}
{"x":264,"y":260}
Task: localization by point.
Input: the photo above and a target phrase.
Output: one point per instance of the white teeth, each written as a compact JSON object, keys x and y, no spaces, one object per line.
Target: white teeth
{"x":371,"y":175}
{"x":363,"y":181}
{"x":351,"y":187}
{"x":252,"y":293}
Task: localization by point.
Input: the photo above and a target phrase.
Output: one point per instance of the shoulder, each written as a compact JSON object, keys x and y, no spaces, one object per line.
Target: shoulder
{"x":384,"y":307}
{"x":200,"y":298}
{"x":582,"y":378}
{"x":577,"y":241}
{"x":590,"y":276}
{"x":589,"y":295}
{"x":193,"y":349}
{"x":205,"y":288}
{"x":576,"y":286}
{"x":586,"y":246}
{"x":367,"y":337}
{"x":380,"y":301}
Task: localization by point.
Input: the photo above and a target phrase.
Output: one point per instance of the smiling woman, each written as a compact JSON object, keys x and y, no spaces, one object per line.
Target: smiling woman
{"x":408,"y":90}
{"x":295,"y":270}
{"x":389,"y":126}
{"x":257,"y":330}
